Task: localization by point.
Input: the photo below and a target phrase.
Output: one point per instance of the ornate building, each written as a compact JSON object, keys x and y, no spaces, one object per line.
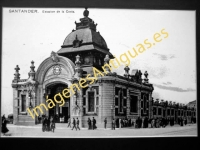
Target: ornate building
{"x":110,"y":96}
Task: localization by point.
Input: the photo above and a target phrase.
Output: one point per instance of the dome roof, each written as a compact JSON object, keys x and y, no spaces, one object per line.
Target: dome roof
{"x":84,"y":38}
{"x":87,"y":36}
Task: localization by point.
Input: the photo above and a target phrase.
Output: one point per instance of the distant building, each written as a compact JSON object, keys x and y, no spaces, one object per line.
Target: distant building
{"x":192,"y":103}
{"x":175,"y":110}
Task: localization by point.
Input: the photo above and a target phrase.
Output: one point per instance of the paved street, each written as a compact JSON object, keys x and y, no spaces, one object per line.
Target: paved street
{"x":63,"y":132}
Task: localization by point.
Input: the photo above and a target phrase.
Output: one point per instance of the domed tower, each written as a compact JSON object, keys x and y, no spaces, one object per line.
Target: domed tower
{"x":86,"y":42}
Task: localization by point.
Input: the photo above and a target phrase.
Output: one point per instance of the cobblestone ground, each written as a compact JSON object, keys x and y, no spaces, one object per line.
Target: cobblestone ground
{"x":62,"y":131}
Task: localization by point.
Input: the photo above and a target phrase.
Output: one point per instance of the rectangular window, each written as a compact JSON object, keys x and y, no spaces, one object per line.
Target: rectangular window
{"x":144,"y":103}
{"x":168,"y":112}
{"x":120,"y":102}
{"x":124,"y":92}
{"x":23,"y":106}
{"x":116,"y":101}
{"x":124,"y":102}
{"x":90,"y":101}
{"x":117,"y":90}
{"x":159,"y":111}
{"x":84,"y":101}
{"x":116,"y":111}
{"x":133,"y":103}
{"x":172,"y":112}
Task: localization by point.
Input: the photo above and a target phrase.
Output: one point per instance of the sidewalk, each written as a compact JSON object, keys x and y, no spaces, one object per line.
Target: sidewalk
{"x":64,"y":126}
{"x":58,"y":126}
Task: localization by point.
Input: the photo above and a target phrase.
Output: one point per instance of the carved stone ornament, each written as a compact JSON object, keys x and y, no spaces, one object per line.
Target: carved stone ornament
{"x":77,"y":42}
{"x":57,"y":70}
{"x":54,"y":56}
{"x":86,"y":13}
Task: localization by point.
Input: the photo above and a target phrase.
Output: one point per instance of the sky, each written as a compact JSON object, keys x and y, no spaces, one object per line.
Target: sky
{"x":171,"y":63}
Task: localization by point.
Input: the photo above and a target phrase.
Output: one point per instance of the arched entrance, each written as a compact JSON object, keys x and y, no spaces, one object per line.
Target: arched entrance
{"x":61,"y":113}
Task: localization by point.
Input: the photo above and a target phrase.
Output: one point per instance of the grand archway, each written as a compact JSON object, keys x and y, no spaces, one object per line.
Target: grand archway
{"x":60,"y":113}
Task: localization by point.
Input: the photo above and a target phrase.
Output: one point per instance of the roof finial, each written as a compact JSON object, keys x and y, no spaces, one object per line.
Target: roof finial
{"x":86,"y":12}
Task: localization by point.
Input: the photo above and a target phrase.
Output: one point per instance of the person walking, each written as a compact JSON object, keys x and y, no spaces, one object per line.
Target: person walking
{"x":89,"y":124}
{"x":44,"y":124}
{"x":113,"y":124}
{"x":77,"y":123}
{"x":69,"y":122}
{"x":105,"y":122}
{"x":53,"y":125}
{"x":4,"y":128}
{"x":153,"y":123}
{"x":74,"y":124}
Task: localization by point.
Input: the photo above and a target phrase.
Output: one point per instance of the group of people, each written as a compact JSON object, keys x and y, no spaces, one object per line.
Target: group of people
{"x":161,"y":122}
{"x":4,"y":128}
{"x":145,"y":122}
{"x":124,"y":122}
{"x":48,"y":124}
{"x":75,"y":123}
{"x":91,"y":124}
{"x":182,"y":121}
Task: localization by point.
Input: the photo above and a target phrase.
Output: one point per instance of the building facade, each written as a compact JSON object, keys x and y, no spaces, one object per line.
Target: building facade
{"x":109,"y":96}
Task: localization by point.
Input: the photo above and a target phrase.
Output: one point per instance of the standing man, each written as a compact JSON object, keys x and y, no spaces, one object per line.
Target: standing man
{"x":113,"y":124}
{"x":77,"y":123}
{"x":120,"y":123}
{"x":93,"y":123}
{"x":69,"y":122}
{"x":105,"y":122}
{"x":74,"y":124}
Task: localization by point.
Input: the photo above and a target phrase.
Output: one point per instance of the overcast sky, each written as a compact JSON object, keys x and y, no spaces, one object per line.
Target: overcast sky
{"x":171,"y":63}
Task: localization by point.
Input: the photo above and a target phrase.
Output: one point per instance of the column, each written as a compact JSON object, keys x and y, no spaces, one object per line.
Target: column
{"x":15,"y":105}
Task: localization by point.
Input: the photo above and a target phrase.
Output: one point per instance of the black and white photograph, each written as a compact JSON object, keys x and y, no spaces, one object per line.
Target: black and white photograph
{"x":98,"y":73}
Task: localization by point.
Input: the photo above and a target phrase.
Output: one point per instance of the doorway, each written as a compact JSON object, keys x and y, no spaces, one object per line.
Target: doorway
{"x":60,"y":113}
